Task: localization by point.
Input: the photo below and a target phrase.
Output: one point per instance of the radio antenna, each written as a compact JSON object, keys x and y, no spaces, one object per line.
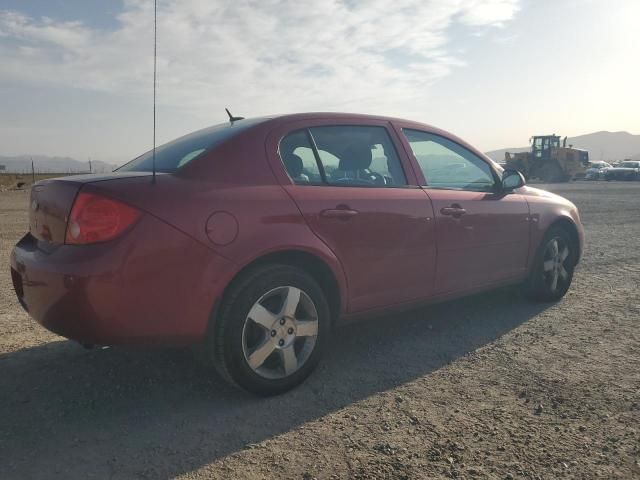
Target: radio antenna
{"x":155,"y":43}
{"x":231,"y":117}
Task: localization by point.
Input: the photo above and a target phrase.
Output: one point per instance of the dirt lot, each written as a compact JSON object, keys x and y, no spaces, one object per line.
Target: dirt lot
{"x":487,"y":387}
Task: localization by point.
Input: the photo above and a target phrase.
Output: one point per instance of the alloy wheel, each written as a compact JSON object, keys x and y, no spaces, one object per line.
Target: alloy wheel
{"x":555,"y":266}
{"x":280,"y":332}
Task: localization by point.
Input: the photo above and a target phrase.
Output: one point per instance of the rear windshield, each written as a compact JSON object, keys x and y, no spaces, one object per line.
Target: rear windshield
{"x":171,"y":156}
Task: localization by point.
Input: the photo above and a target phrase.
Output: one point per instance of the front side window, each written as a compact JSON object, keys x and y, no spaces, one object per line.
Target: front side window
{"x":447,"y":165}
{"x":360,"y":156}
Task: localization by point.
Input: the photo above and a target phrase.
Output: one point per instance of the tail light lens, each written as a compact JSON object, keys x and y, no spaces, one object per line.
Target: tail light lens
{"x":96,"y":219}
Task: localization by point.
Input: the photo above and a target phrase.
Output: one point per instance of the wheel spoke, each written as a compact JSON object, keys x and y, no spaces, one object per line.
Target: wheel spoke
{"x":260,"y":354}
{"x":307,"y":328}
{"x":564,"y":254}
{"x":554,"y":280}
{"x":291,"y":302}
{"x":262,"y":316}
{"x":563,"y":272}
{"x":548,"y":265}
{"x":289,"y":359}
{"x":554,"y":247}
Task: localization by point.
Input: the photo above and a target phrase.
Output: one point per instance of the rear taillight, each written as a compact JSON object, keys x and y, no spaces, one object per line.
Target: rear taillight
{"x":96,"y":219}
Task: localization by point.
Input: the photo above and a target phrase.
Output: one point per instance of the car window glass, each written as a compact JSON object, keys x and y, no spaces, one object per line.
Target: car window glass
{"x":176,"y":154}
{"x":445,"y":164}
{"x":358,"y":156}
{"x":189,"y":156}
{"x":329,"y":162}
{"x":299,"y":161}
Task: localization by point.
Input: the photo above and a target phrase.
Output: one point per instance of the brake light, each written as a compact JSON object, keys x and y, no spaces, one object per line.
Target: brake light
{"x":94,"y":219}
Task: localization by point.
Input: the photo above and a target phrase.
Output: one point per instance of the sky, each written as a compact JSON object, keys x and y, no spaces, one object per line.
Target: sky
{"x":76,"y":75}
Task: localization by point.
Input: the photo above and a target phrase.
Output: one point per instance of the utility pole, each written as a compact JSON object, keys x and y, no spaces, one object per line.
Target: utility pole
{"x":90,"y":171}
{"x":33,"y":172}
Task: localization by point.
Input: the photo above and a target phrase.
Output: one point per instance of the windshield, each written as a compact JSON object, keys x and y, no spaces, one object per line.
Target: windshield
{"x":174,"y":155}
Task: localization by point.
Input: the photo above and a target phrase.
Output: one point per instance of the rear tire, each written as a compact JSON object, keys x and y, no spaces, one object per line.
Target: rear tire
{"x":552,"y":271}
{"x":272,"y":330}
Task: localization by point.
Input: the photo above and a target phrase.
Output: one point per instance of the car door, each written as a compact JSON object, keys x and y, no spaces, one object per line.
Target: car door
{"x":351,"y":187}
{"x":482,"y":233}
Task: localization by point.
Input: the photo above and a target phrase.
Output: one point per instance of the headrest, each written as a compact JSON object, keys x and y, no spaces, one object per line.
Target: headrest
{"x":293,"y":164}
{"x":356,"y":157}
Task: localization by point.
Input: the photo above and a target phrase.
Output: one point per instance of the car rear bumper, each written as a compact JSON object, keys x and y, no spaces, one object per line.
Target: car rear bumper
{"x":154,"y":285}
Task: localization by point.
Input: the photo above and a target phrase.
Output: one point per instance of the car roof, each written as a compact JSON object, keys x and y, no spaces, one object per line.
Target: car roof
{"x":292,"y":117}
{"x":321,"y":115}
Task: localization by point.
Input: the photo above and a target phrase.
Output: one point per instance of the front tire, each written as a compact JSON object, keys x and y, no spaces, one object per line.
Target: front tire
{"x":553,"y":268}
{"x":272,"y":330}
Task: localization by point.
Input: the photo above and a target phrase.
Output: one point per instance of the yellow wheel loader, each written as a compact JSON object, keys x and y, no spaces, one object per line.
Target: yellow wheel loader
{"x":548,"y":161}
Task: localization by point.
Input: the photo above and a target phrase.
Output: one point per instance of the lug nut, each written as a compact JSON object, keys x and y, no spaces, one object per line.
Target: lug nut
{"x":273,"y":333}
{"x":290,"y":331}
{"x":281,"y":342}
{"x":282,"y":321}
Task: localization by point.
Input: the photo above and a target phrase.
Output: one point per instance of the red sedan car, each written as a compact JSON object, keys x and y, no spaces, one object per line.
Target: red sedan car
{"x":257,"y":236}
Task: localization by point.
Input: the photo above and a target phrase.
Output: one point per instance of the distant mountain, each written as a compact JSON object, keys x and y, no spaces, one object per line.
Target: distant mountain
{"x":44,"y":164}
{"x":498,"y":155}
{"x":608,"y":146}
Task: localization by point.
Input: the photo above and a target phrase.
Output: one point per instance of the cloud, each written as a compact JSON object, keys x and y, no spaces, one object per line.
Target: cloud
{"x":488,"y":12}
{"x":258,"y":56}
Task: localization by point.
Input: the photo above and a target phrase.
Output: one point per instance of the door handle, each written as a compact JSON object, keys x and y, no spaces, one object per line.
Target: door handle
{"x":340,"y":213}
{"x":454,"y":210}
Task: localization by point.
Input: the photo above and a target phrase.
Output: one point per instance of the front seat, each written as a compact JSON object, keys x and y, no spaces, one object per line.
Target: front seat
{"x":355,"y":162}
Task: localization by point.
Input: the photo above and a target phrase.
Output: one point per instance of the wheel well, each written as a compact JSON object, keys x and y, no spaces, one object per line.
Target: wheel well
{"x":308,"y":262}
{"x":571,"y":229}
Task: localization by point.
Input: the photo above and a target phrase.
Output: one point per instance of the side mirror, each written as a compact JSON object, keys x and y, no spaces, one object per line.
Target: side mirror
{"x":512,"y":179}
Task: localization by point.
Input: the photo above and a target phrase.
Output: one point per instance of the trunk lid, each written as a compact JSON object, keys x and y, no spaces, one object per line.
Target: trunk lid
{"x":51,"y":201}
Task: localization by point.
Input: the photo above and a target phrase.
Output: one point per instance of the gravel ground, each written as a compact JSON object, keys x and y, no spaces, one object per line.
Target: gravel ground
{"x":486,"y":387}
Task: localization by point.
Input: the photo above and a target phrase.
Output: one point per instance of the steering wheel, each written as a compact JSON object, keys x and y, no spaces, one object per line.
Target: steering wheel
{"x":378,"y":179}
{"x":354,"y":181}
{"x":370,"y":178}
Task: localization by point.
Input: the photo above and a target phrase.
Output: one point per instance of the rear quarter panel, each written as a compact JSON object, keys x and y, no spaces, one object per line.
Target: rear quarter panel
{"x":151,"y":285}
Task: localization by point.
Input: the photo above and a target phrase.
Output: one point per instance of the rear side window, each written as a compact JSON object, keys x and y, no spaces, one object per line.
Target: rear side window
{"x":298,"y":158}
{"x":171,"y":156}
{"x":360,"y":156}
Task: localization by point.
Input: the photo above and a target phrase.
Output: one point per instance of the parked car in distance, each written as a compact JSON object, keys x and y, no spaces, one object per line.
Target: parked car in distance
{"x":627,"y":170}
{"x":596,"y":170}
{"x":255,"y":238}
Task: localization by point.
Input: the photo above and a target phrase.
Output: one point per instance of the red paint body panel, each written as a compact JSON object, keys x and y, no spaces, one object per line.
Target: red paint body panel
{"x":153,"y":285}
{"x":265,"y":216}
{"x":546,"y":209}
{"x":487,"y":244}
{"x":159,"y":281}
{"x":387,"y":249}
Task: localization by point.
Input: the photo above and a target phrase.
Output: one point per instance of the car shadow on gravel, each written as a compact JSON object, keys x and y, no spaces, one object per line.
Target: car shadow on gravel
{"x":116,"y":413}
